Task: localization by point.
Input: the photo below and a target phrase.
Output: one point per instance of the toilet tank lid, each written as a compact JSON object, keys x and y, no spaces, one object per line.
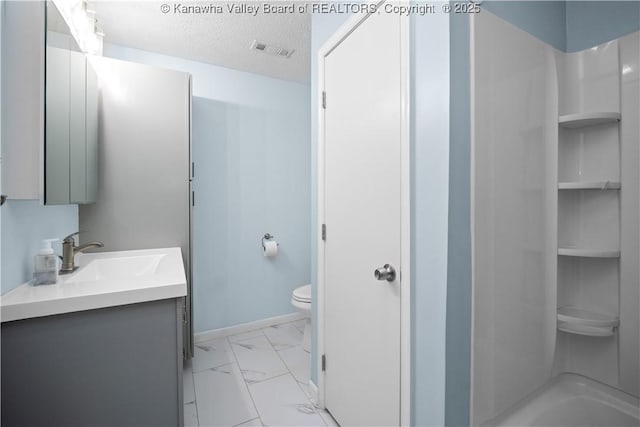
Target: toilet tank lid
{"x":303,"y":293}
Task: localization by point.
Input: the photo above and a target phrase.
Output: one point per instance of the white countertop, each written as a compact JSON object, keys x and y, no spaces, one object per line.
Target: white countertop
{"x":92,"y":286}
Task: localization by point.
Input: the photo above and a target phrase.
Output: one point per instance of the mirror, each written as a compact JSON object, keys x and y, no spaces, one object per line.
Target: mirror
{"x":71,"y":117}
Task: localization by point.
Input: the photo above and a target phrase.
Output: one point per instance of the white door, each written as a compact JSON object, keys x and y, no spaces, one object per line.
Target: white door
{"x":362,"y":80}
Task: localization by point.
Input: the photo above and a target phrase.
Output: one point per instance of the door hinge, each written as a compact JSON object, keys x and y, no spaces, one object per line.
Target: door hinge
{"x":324,"y":99}
{"x":324,"y":232}
{"x":324,"y":363}
{"x":193,"y":198}
{"x":184,"y":315}
{"x":193,"y":170}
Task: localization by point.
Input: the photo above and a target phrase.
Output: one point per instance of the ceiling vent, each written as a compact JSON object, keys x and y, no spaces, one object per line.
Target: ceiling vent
{"x":271,"y":50}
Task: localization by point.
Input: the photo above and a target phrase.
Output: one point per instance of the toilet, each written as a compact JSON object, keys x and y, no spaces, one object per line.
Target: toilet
{"x":301,"y":299}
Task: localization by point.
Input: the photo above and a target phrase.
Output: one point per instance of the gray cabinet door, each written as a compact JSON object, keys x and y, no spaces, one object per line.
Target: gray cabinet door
{"x":144,"y":196}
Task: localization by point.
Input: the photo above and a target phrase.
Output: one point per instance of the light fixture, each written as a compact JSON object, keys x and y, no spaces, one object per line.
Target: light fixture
{"x":82,"y":24}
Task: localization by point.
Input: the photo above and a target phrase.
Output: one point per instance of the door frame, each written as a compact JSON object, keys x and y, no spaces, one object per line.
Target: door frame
{"x":405,"y":215}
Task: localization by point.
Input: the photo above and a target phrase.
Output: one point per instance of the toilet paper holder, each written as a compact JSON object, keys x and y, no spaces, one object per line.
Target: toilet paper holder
{"x":267,"y":236}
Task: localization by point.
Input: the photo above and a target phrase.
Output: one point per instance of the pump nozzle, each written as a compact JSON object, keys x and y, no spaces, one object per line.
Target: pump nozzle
{"x":45,"y":246}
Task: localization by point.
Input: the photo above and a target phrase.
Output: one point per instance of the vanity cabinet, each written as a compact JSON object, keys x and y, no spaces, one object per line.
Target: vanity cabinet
{"x":35,"y":163}
{"x":71,"y":134}
{"x":71,"y":118}
{"x":114,"y":366}
{"x":23,"y":95}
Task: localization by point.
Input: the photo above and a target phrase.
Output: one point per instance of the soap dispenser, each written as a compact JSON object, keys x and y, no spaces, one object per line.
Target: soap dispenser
{"x":45,"y":265}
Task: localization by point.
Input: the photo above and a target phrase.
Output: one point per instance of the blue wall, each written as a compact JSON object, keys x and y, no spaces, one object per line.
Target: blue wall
{"x":458,"y":343}
{"x":590,"y":23}
{"x":430,"y":139}
{"x":252,"y":177}
{"x":545,"y":20}
{"x":24,"y":224}
{"x":251,"y":152}
{"x":570,"y":26}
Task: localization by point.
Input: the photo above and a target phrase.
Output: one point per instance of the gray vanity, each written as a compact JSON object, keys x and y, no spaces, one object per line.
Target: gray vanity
{"x":101,"y":347}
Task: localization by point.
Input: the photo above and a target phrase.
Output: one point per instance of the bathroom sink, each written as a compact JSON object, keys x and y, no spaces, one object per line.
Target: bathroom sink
{"x":103,"y":279}
{"x":117,"y":268}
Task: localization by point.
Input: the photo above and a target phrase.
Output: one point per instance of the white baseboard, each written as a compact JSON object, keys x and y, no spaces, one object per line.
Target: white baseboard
{"x":313,"y":391}
{"x":246,"y":327}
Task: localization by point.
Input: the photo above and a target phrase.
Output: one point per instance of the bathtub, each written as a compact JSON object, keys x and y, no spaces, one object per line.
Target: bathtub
{"x":573,"y":400}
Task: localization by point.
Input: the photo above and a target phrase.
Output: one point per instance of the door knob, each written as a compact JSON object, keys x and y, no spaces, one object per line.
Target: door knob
{"x":386,"y":272}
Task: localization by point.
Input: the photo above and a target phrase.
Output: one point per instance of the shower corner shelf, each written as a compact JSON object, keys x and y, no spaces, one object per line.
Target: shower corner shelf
{"x":579,"y":321}
{"x":589,"y":253}
{"x":589,"y":185}
{"x":580,"y":120}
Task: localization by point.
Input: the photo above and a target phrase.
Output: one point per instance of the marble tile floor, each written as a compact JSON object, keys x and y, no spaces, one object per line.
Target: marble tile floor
{"x":258,"y":378}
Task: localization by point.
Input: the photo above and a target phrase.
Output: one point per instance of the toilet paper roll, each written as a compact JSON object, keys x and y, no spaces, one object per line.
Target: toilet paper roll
{"x":270,"y":248}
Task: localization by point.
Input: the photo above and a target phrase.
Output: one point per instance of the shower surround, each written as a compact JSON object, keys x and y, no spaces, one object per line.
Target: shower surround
{"x":555,"y":201}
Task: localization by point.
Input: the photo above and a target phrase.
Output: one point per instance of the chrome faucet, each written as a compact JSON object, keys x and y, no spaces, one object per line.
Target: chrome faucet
{"x":69,"y":251}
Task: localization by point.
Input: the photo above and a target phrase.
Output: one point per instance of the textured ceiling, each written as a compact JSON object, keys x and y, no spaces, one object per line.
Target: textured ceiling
{"x":216,"y":35}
